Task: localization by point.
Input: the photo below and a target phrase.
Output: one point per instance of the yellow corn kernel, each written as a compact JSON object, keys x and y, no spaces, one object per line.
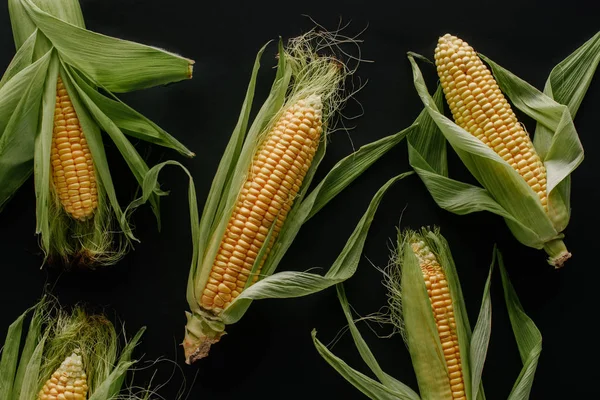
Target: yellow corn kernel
{"x":71,"y":173}
{"x":478,"y":106}
{"x":68,"y":382}
{"x":443,"y":312}
{"x":275,"y":176}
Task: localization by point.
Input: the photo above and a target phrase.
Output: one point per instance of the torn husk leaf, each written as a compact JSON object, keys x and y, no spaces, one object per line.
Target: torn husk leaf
{"x":259,"y":197}
{"x":427,"y":308}
{"x":56,"y":97}
{"x":526,"y":182}
{"x":70,"y":353}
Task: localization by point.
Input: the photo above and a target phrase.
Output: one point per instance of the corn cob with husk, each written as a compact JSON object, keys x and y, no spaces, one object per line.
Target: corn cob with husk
{"x":258,"y":200}
{"x":526,"y":182}
{"x":427,"y":308}
{"x":65,"y":356}
{"x":52,"y":117}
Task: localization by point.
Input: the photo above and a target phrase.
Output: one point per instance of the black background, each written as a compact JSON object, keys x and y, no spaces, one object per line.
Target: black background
{"x":270,"y":353}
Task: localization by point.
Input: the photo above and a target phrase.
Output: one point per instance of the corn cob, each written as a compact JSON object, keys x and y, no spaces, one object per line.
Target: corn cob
{"x":275,"y":177}
{"x":72,"y":165}
{"x":68,"y":382}
{"x":479,"y":107}
{"x":443,"y":311}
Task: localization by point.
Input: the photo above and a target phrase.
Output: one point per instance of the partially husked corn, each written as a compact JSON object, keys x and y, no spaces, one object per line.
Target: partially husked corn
{"x":68,"y":382}
{"x":443,"y":311}
{"x":275,"y":177}
{"x":72,"y":165}
{"x":479,"y":107}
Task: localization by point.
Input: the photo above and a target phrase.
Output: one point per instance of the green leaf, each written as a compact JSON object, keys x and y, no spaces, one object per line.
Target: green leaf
{"x":428,"y":141}
{"x":351,"y":167}
{"x":289,"y":284}
{"x":118,"y":65}
{"x":371,"y":388}
{"x":29,"y":387}
{"x":421,"y":333}
{"x":19,"y":110}
{"x":401,"y":390}
{"x":126,"y":118}
{"x":570,"y":79}
{"x":481,"y":337}
{"x":29,"y":362}
{"x":22,"y":26}
{"x":43,"y":149}
{"x":10,"y":357}
{"x":527,"y":335}
{"x":21,"y":60}
{"x":124,"y":359}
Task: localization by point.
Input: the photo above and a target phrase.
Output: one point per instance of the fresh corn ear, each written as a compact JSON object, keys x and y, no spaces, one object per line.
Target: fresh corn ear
{"x":427,"y":308}
{"x":479,"y":107}
{"x":66,"y":355}
{"x":73,"y":172}
{"x":268,"y":177}
{"x":53,"y":115}
{"x":278,"y":169}
{"x":259,"y":197}
{"x":526,"y":182}
{"x":68,"y":382}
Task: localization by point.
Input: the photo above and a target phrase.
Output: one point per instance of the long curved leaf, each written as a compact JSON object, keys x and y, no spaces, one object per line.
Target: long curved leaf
{"x":481,"y":337}
{"x":369,"y":387}
{"x":527,"y":335}
{"x":289,"y":284}
{"x":118,"y":65}
{"x":19,"y":124}
{"x":402,"y":391}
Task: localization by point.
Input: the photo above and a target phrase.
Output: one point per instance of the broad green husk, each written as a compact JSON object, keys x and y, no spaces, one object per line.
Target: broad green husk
{"x":504,"y":191}
{"x":411,"y":315}
{"x":30,"y":358}
{"x":52,"y":41}
{"x":302,"y":70}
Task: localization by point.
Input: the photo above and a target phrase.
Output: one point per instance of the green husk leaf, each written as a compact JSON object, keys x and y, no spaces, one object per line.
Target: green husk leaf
{"x":126,"y":118}
{"x":420,"y":332}
{"x":27,"y":388}
{"x":428,"y":142}
{"x":369,"y":387}
{"x":527,"y":335}
{"x":43,"y":144}
{"x":10,"y":356}
{"x":20,"y":61}
{"x":139,"y":66}
{"x":351,"y":167}
{"x":290,"y":284}
{"x":30,"y":358}
{"x":22,"y":26}
{"x":125,"y":359}
{"x":481,"y":336}
{"x":402,"y":391}
{"x":19,"y":111}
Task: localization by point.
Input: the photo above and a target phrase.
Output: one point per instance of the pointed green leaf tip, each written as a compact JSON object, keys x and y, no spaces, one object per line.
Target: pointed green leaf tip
{"x":52,"y":42}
